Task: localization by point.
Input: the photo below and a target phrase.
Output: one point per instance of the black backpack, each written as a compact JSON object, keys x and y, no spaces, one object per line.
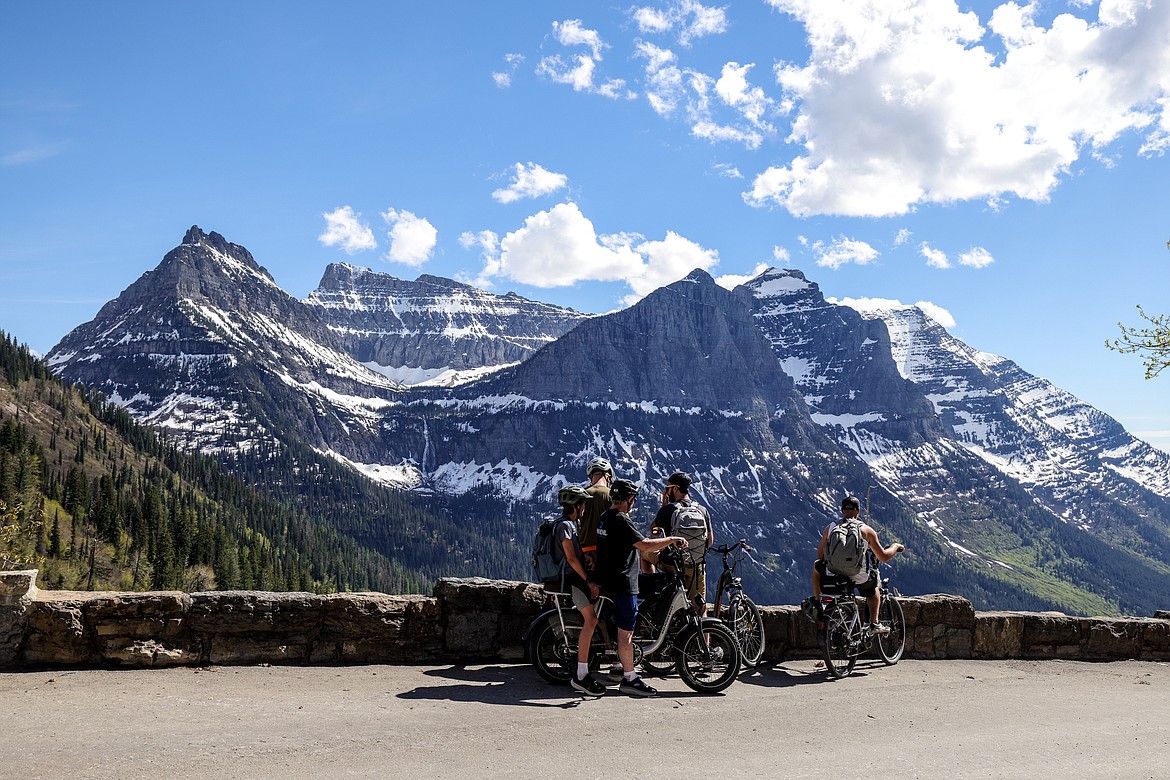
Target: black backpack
{"x":545,"y":562}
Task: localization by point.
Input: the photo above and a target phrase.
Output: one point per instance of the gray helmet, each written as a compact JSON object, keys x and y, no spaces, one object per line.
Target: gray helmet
{"x":621,"y":489}
{"x":598,"y":464}
{"x":572,"y":495}
{"x":851,"y":502}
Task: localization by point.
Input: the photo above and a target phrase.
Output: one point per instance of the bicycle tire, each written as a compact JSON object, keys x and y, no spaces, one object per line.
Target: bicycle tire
{"x":660,"y":663}
{"x":698,"y":669}
{"x":889,"y":647}
{"x":748,"y":626}
{"x":555,"y":659}
{"x":835,"y":638}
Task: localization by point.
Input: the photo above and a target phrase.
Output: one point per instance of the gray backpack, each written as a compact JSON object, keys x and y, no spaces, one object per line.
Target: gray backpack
{"x":545,"y":564}
{"x":845,"y":549}
{"x":690,"y":522}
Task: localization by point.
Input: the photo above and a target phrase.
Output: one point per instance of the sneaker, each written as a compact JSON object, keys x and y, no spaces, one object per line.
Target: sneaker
{"x":588,"y":686}
{"x":637,"y":687}
{"x":879,"y":629}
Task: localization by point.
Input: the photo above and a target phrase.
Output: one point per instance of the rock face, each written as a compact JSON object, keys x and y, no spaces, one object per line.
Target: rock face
{"x":432,"y":330}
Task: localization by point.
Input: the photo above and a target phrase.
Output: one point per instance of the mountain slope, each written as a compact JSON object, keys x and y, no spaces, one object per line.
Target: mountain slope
{"x":432,"y":330}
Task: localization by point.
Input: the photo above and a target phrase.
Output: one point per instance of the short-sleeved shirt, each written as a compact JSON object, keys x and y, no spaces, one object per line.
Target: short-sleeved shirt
{"x":565,"y":529}
{"x":617,"y":557}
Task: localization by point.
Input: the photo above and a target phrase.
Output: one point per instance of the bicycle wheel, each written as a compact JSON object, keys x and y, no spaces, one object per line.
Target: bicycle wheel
{"x":890,"y":646}
{"x":836,"y":640}
{"x":661,"y":662}
{"x":748,"y":626}
{"x":708,"y":659}
{"x":553,"y":652}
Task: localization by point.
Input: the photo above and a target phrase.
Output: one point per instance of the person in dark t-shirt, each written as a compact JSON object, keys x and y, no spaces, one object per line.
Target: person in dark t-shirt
{"x":619,"y":544}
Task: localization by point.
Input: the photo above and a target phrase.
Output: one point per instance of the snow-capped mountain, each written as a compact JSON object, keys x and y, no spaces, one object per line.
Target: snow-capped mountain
{"x":777,"y":402}
{"x":208,"y":346}
{"x":1073,"y":458}
{"x":433,"y":331}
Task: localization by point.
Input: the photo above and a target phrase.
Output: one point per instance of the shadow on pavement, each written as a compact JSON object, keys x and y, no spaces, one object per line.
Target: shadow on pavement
{"x":503,"y":685}
{"x":781,"y":675}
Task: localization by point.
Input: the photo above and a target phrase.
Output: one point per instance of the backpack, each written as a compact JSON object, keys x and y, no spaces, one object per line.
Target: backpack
{"x":690,"y":522}
{"x":545,"y":565}
{"x":845,"y":549}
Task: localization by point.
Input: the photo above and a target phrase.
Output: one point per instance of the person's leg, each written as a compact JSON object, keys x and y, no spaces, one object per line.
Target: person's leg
{"x":589,"y":618}
{"x":625,"y":648}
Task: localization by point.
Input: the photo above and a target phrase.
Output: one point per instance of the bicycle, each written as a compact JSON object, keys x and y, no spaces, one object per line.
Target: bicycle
{"x":743,"y":616}
{"x":842,"y":634}
{"x":703,"y":651}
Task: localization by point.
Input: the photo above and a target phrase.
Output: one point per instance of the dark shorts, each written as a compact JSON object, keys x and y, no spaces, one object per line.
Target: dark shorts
{"x":625,"y":611}
{"x":866,"y":587}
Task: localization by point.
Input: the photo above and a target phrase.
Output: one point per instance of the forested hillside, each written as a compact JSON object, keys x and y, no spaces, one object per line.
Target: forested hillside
{"x":95,"y":500}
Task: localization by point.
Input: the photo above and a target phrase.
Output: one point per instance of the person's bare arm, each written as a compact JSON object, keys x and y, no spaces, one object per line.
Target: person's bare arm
{"x":883,"y":554}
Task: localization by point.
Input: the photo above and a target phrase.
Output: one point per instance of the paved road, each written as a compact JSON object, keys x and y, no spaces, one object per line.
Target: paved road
{"x":929,"y":719}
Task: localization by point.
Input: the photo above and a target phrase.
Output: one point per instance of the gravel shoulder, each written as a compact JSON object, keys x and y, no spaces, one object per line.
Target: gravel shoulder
{"x":954,"y":719}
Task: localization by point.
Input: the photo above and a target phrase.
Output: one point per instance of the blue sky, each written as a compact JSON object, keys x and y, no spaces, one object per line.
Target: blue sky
{"x":1004,"y":162}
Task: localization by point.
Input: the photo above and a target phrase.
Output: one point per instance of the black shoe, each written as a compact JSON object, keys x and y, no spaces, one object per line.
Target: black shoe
{"x":637,"y":687}
{"x":588,"y":686}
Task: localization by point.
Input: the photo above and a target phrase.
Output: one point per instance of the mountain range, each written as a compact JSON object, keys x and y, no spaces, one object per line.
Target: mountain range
{"x":1004,"y":488}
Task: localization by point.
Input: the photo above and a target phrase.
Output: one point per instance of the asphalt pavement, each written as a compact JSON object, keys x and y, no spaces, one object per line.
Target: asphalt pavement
{"x":918,"y":719}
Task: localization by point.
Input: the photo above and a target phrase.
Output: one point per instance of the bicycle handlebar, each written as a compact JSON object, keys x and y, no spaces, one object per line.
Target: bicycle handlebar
{"x":725,"y":550}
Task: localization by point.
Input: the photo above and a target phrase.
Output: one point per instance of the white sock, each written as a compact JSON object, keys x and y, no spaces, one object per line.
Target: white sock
{"x":630,"y":676}
{"x":582,"y":670}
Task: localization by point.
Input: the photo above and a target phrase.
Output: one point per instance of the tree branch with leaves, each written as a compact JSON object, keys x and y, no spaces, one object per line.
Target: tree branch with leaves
{"x":1151,"y":342}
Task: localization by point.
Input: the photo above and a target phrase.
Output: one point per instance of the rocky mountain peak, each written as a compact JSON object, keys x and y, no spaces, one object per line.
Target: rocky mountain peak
{"x":195,"y":237}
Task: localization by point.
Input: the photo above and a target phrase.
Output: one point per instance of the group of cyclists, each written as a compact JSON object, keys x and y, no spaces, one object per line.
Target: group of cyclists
{"x":602,"y":552}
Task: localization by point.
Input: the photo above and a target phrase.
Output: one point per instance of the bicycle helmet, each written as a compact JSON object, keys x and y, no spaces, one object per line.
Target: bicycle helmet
{"x":622,"y":489}
{"x":851,"y":502}
{"x":598,"y":464}
{"x":571,"y":495}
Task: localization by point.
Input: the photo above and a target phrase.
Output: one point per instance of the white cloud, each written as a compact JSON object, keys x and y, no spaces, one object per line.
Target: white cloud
{"x":731,"y":281}
{"x":412,"y":238}
{"x":691,"y":18}
{"x":31,"y":154}
{"x":343,"y":228}
{"x":945,"y":118}
{"x":560,"y":247}
{"x":503,"y":78}
{"x":571,"y":33}
{"x":579,"y":70}
{"x":935,"y":258}
{"x":727,"y":170}
{"x":977,"y":257}
{"x":780,"y":254}
{"x":530,"y":181}
{"x":734,"y":89}
{"x":902,"y":237}
{"x":842,"y":251}
{"x":879,"y":305}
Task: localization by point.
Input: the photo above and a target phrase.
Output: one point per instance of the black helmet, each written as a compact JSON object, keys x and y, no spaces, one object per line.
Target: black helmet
{"x":851,"y":502}
{"x":621,"y":489}
{"x":598,"y":464}
{"x":571,"y":495}
{"x":681,"y":479}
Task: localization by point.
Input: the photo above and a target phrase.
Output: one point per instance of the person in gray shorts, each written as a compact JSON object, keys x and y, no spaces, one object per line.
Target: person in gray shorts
{"x":577,"y":579}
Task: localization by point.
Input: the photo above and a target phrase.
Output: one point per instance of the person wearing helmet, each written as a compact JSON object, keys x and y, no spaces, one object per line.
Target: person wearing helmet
{"x":619,"y":548}
{"x":600,"y":475}
{"x":575,"y":576}
{"x":866,"y":580}
{"x":681,"y":516}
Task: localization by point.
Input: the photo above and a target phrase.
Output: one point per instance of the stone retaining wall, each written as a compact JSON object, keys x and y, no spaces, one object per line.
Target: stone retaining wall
{"x":467,"y":620}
